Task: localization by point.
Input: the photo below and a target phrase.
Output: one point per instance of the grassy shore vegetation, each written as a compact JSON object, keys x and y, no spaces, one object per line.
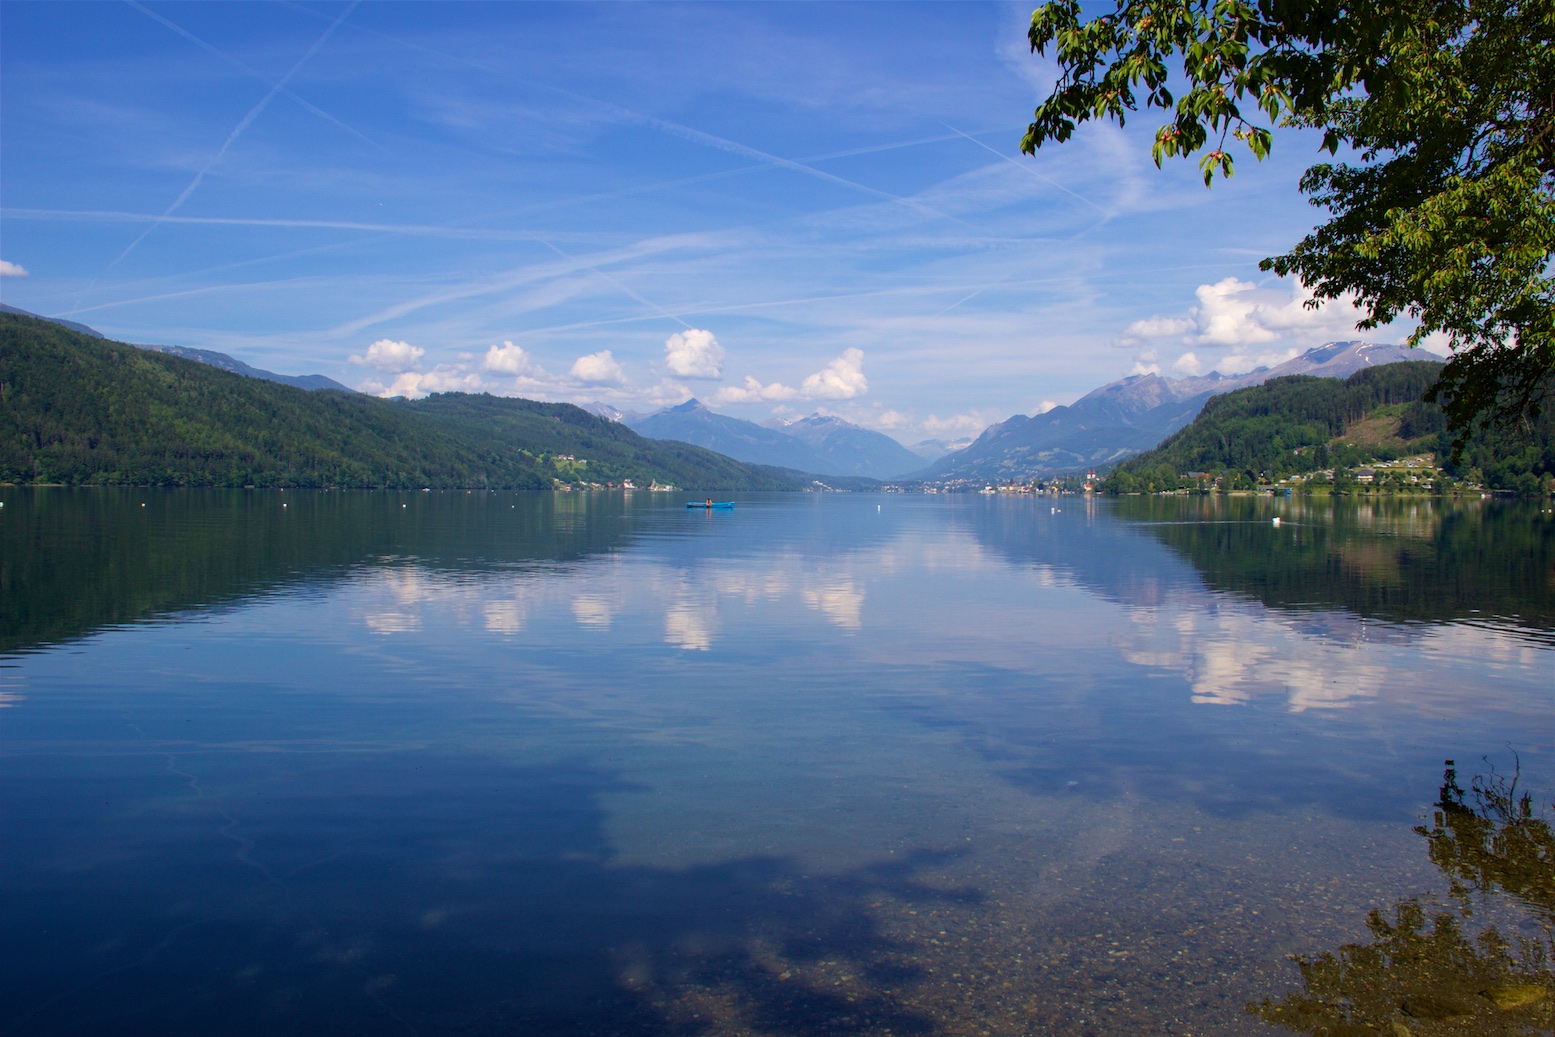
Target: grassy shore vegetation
{"x":1371,"y":432}
{"x":76,"y":410}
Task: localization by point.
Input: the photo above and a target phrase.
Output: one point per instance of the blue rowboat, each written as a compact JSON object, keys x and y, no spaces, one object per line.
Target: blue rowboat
{"x":710,"y":504}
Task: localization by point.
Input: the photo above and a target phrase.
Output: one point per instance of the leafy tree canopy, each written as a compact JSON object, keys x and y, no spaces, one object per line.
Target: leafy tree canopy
{"x":1443,"y":208}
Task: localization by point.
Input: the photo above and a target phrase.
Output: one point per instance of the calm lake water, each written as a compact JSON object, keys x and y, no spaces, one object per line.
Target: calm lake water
{"x":356,"y":763}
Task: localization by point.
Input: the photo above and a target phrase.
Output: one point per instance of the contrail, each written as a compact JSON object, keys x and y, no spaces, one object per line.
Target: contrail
{"x":912,"y":290}
{"x":456,"y":229}
{"x":1028,"y":168}
{"x":687,"y":181}
{"x":229,"y":286}
{"x":408,"y":229}
{"x":1040,"y":176}
{"x":223,"y":55}
{"x":237,"y":131}
{"x":696,"y":136}
{"x":623,"y":288}
{"x":745,"y":151}
{"x":508,"y":279}
{"x":871,"y":149}
{"x":968,"y":298}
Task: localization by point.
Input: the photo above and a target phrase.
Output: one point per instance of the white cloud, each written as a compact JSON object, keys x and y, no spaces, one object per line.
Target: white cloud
{"x":955,"y":425}
{"x":442,"y":378}
{"x":1237,"y":313}
{"x":1045,"y":406}
{"x":842,"y":379}
{"x":598,"y":369}
{"x":1241,"y":362}
{"x":1255,"y":326}
{"x":388,"y":355}
{"x":666,"y":393}
{"x":754,"y":392}
{"x":1437,"y":342}
{"x":694,"y":354}
{"x":1229,"y":314}
{"x":1146,"y":363}
{"x":507,"y":359}
{"x":892,"y":419}
{"x":508,"y":370}
{"x":1157,"y":327}
{"x":9,"y":269}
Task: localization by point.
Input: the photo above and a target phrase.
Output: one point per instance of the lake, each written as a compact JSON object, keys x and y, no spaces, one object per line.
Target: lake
{"x":447,"y":763}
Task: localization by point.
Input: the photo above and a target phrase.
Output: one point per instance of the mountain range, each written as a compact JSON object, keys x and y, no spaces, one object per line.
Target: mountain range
{"x":311,"y":382}
{"x":1328,"y":431}
{"x":1114,"y":422}
{"x":849,"y":449}
{"x":820,"y":444}
{"x":88,"y":410}
{"x":205,"y":356}
{"x":1129,"y":416}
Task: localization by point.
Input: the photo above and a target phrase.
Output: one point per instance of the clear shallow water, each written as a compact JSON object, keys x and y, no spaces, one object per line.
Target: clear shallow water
{"x":433,"y":763}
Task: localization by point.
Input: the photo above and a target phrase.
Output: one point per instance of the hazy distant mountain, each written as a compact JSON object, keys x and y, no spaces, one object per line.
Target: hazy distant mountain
{"x":934,"y":449}
{"x":850,"y":449}
{"x":236,"y":366}
{"x":62,"y":322}
{"x":692,"y":422}
{"x":1130,"y":416}
{"x":819,"y":444}
{"x":609,"y":413}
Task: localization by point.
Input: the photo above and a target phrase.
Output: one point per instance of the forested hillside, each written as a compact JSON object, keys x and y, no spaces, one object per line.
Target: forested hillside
{"x":79,"y":410}
{"x":1302,"y":425}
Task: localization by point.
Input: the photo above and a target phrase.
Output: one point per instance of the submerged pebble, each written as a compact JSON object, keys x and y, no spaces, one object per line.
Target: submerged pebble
{"x":1507,"y":996}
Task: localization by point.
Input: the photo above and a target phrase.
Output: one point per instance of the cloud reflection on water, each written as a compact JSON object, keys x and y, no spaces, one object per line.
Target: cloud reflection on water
{"x":1225,"y":651}
{"x":954,"y":763}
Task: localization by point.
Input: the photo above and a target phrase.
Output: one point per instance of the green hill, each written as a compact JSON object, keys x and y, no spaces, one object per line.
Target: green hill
{"x":79,"y":410}
{"x":1301,"y":425}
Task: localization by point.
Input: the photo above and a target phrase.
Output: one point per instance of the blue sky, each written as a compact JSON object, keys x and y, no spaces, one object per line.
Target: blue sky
{"x":776,"y":208}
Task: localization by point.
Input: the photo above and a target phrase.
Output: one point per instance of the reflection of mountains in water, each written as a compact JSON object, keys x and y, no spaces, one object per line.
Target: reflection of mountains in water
{"x":73,"y":561}
{"x":1395,"y":560}
{"x":1081,"y":540}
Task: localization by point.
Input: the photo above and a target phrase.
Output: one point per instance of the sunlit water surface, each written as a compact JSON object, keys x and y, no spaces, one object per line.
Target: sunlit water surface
{"x":823,"y":764}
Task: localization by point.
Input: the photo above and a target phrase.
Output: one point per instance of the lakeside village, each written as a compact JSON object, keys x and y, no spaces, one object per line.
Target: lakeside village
{"x":1415,"y":475}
